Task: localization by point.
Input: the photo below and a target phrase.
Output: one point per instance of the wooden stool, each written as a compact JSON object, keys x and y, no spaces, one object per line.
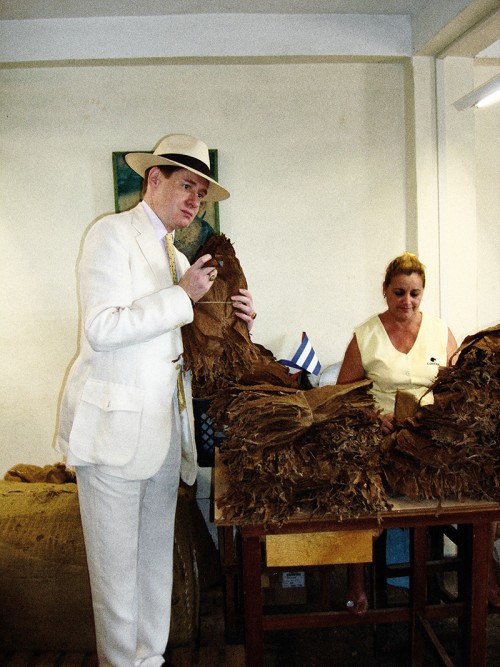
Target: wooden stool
{"x":437,"y":565}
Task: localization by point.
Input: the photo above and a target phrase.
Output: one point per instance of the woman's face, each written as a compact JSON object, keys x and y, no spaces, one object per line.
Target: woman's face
{"x":403,"y":295}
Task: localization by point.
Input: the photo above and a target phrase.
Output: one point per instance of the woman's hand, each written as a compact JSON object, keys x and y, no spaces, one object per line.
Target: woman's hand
{"x":243,"y":307}
{"x":387,"y":423}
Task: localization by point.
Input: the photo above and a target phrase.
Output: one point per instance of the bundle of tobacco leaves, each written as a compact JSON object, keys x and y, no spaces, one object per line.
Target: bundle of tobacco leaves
{"x":56,"y":473}
{"x":217,"y":345}
{"x":450,"y":449}
{"x":312,"y":452}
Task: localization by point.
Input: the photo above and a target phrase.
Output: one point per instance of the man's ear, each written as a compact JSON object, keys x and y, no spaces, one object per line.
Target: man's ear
{"x":154,"y":176}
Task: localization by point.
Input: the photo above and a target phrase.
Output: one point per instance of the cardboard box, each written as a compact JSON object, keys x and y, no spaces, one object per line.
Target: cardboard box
{"x":284,"y":588}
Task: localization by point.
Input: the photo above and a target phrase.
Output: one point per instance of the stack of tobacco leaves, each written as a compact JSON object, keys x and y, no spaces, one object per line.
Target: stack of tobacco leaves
{"x":321,"y":451}
{"x":312,"y":452}
{"x":450,"y":449}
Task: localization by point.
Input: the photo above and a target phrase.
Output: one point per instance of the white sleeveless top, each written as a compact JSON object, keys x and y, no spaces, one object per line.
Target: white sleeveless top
{"x":390,"y":369}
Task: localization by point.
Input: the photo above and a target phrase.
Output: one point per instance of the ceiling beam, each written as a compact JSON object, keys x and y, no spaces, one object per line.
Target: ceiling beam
{"x":479,"y":19}
{"x":204,"y":35}
{"x":476,"y":39}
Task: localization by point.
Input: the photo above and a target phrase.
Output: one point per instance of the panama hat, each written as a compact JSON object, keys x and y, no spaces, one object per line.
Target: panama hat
{"x":179,"y":150}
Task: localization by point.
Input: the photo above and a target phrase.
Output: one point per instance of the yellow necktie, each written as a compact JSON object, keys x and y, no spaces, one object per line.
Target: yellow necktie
{"x":169,"y":244}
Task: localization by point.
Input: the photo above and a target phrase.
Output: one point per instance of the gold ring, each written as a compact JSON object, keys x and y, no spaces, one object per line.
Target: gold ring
{"x":212,"y":277}
{"x":253,"y":315}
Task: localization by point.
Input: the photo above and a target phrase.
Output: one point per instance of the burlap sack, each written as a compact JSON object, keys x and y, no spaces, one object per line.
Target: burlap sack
{"x":44,"y":587}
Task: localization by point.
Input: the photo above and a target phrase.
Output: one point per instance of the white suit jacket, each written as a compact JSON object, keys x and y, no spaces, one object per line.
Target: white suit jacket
{"x":117,"y":404}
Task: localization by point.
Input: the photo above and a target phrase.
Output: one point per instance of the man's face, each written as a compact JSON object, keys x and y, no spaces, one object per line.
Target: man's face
{"x":176,"y":198}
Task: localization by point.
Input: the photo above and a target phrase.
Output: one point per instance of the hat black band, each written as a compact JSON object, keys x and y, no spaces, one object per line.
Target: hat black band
{"x":189,"y":161}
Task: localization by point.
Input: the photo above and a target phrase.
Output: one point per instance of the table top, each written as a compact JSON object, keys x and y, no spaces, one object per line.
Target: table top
{"x":404,"y":512}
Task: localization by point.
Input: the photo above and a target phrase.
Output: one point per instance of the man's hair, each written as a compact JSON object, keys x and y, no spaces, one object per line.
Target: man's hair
{"x":166,"y":170}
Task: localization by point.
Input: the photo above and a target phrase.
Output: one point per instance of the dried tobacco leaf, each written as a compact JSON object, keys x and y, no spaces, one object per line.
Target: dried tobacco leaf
{"x":217,"y":345}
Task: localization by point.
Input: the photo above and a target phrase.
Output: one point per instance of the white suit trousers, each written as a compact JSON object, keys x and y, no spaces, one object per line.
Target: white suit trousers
{"x":128,"y":527}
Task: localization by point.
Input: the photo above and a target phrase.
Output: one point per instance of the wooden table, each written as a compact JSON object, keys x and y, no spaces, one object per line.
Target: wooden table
{"x":258,"y":543}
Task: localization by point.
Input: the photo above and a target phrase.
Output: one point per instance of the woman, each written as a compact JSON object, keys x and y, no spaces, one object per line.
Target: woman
{"x":401,"y":348}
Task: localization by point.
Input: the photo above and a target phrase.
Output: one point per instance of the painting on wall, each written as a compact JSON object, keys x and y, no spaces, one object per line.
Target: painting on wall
{"x":127,"y":193}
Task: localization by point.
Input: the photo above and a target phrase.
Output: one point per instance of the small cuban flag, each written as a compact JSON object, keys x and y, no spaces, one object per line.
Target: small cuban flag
{"x":304,"y":359}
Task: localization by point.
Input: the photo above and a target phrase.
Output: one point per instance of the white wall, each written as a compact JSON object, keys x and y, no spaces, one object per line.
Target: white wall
{"x":315,"y":157}
{"x":469,"y":215}
{"x":487,"y":136}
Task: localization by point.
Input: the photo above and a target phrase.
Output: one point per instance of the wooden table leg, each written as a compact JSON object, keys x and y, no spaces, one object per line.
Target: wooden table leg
{"x":477,"y":596}
{"x":418,"y":593}
{"x":252,"y":601}
{"x":229,"y":566}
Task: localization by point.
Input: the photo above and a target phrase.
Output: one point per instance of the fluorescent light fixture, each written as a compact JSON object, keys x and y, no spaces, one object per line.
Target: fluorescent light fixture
{"x":487,"y":94}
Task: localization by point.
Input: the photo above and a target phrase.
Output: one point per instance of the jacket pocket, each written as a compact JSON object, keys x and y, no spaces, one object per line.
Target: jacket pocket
{"x":107,"y":423}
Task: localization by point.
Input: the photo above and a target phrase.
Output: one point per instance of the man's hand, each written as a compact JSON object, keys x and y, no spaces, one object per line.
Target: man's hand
{"x":198,"y":278}
{"x":243,"y":307}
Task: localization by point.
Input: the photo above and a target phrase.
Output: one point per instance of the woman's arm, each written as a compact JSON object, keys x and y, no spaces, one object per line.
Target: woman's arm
{"x":451,"y":348}
{"x":351,"y":369}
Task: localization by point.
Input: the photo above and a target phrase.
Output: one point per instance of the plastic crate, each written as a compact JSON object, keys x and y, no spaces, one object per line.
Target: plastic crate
{"x":206,"y":435}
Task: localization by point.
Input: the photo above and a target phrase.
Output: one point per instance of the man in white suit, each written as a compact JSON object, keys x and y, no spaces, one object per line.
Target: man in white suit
{"x":126,"y":420}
